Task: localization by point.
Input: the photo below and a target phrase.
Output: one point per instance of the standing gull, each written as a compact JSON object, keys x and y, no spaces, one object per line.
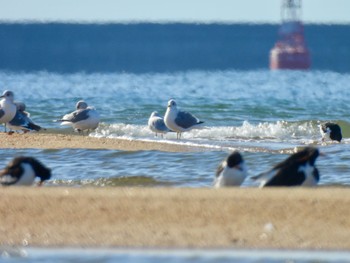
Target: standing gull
{"x":7,"y":107}
{"x":83,"y":118}
{"x":179,"y":121}
{"x":231,"y":172}
{"x":156,"y":124}
{"x":297,"y":170}
{"x":23,"y":171}
{"x":331,"y":131}
{"x":22,"y":120}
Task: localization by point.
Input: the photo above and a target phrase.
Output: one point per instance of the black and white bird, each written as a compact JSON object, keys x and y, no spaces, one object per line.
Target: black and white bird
{"x":23,"y":171}
{"x":7,"y":107}
{"x":83,"y":118}
{"x":179,"y":121}
{"x":22,"y":120}
{"x":156,"y":124}
{"x":231,"y":172}
{"x":297,"y":170}
{"x":331,"y":131}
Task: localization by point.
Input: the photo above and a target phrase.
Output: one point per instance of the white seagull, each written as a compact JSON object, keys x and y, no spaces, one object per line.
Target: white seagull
{"x":83,"y":118}
{"x":7,"y":107}
{"x":22,"y":120}
{"x":23,"y":171}
{"x":231,"y":172}
{"x":179,"y":121}
{"x":156,"y":124}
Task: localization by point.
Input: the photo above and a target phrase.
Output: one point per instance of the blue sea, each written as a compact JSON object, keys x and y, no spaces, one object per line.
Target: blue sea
{"x":217,"y":72}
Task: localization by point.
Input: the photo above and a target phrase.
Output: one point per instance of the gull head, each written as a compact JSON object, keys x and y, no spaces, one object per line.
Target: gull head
{"x":81,"y":105}
{"x":7,"y":94}
{"x":171,"y":104}
{"x":20,"y":106}
{"x":155,"y":114}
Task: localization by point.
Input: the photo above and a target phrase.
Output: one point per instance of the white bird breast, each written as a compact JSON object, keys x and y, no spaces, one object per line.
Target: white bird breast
{"x":309,"y":178}
{"x":231,"y":176}
{"x":28,"y":175}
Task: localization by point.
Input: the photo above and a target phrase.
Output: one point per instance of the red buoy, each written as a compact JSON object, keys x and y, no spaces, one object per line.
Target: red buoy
{"x":290,"y":51}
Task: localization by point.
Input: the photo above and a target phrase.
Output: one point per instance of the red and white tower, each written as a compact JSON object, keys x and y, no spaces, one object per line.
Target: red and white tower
{"x":290,"y":50}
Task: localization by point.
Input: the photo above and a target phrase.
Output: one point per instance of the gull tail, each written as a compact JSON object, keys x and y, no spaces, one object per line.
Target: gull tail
{"x":34,"y":127}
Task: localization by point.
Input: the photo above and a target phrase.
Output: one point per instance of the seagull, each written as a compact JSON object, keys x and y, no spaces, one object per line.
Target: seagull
{"x":331,"y":131}
{"x":22,"y":120}
{"x":83,"y":118}
{"x":179,"y":121}
{"x":23,"y":170}
{"x":231,"y":172}
{"x":156,"y":124}
{"x":297,"y":170}
{"x":7,"y":107}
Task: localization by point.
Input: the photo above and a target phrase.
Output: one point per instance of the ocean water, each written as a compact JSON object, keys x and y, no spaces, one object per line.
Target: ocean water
{"x":266,"y":115}
{"x":152,"y":47}
{"x":217,"y":72}
{"x":29,"y":255}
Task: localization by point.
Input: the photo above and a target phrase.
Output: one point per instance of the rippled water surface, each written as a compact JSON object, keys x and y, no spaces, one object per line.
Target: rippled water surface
{"x":266,"y":115}
{"x":175,"y":256}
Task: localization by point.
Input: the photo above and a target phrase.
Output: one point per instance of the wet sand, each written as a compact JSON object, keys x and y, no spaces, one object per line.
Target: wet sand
{"x":293,"y":218}
{"x":61,"y":141}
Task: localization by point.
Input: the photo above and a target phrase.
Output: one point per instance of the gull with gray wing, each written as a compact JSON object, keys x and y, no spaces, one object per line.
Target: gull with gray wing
{"x":22,"y":120}
{"x":156,"y":124}
{"x":83,"y":118}
{"x":7,"y":107}
{"x":179,"y":121}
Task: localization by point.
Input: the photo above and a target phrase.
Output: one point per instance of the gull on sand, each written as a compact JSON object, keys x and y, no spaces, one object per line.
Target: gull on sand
{"x":83,"y":118}
{"x":7,"y":107}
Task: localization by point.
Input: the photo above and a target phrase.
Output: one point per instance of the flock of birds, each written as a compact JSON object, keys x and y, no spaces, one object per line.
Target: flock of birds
{"x":14,"y":116}
{"x":174,"y":120}
{"x":297,"y":170}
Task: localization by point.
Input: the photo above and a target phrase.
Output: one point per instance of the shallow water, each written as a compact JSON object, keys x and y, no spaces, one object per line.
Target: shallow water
{"x":175,"y":255}
{"x":265,"y":115}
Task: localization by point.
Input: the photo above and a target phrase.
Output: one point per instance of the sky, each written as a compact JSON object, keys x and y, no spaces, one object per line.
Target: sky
{"x":199,"y":11}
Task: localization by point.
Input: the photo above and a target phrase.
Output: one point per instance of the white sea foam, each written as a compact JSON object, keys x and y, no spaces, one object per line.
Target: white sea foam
{"x":276,"y":131}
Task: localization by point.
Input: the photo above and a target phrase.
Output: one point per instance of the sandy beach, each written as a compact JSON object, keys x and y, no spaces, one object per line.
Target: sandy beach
{"x":75,"y":141}
{"x":176,"y":218}
{"x":293,"y":218}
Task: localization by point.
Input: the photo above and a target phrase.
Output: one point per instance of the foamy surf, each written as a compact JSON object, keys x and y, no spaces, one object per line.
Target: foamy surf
{"x":263,"y":136}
